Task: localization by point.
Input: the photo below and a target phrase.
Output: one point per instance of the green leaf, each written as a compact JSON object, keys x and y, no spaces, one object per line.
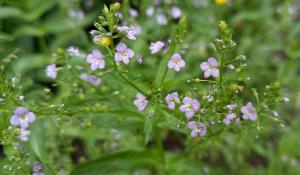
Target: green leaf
{"x":148,"y":128}
{"x":118,"y":162}
{"x":28,"y":31}
{"x":40,"y":7}
{"x":7,"y":12}
{"x":37,"y":140}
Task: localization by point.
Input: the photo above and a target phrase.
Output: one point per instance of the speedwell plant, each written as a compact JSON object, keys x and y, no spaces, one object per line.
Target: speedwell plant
{"x":105,"y":90}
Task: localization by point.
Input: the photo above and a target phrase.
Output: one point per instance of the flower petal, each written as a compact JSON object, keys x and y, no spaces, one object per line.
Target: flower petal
{"x":21,"y":111}
{"x":189,"y":114}
{"x":15,"y":120}
{"x":215,"y":73}
{"x":192,"y":124}
{"x":212,"y":61}
{"x":204,"y":66}
{"x":187,"y":100}
{"x":130,"y":53}
{"x":194,"y":133}
{"x":207,"y":74}
{"x":121,"y":46}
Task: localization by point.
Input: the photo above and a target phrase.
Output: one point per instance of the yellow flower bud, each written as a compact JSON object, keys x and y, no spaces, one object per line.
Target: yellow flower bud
{"x":221,"y":2}
{"x":102,"y":40}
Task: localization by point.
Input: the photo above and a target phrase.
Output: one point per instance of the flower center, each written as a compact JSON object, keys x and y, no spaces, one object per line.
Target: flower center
{"x":174,"y":100}
{"x":123,"y":53}
{"x":197,"y":129}
{"x":189,"y":107}
{"x":95,"y":60}
{"x":211,"y":68}
{"x":23,"y":117}
{"x":250,"y":111}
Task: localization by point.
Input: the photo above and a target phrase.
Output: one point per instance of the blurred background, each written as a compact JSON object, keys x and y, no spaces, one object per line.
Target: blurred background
{"x":267,"y":32}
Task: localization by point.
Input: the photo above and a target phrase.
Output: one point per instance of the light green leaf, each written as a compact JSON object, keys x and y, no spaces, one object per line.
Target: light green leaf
{"x":118,"y":162}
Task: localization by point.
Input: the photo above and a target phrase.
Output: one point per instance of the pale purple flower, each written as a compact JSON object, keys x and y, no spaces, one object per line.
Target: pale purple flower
{"x":157,"y":2}
{"x":175,"y":12}
{"x":119,"y":14}
{"x":210,"y":68}
{"x":161,"y":19}
{"x":237,"y":121}
{"x":130,"y":32}
{"x":38,"y":173}
{"x":91,"y":79}
{"x":198,"y":128}
{"x":226,"y":121}
{"x":189,"y":107}
{"x":95,"y":59}
{"x":139,"y":59}
{"x":76,"y":14}
{"x":133,"y":13}
{"x":37,"y":167}
{"x":172,"y":99}
{"x":150,"y":11}
{"x":140,"y":102}
{"x":123,"y":53}
{"x":176,"y":62}
{"x":51,"y":71}
{"x":138,"y":29}
{"x":231,"y":107}
{"x":22,"y":117}
{"x":156,"y":46}
{"x":249,"y":111}
{"x":23,"y":135}
{"x":230,"y":116}
{"x":73,"y":51}
{"x":97,"y":38}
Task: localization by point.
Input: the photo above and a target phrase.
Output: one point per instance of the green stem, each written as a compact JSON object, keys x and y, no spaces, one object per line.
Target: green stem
{"x":221,"y":72}
{"x":159,"y":143}
{"x":166,"y":67}
{"x":42,"y":44}
{"x":130,"y":83}
{"x":163,"y":78}
{"x":120,"y":73}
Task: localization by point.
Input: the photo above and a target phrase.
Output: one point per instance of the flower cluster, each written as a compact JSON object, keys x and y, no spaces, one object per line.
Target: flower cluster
{"x":73,"y":51}
{"x":198,"y":128}
{"x":189,"y":107}
{"x":155,"y":47}
{"x":231,"y":114}
{"x":161,"y":18}
{"x":22,"y":117}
